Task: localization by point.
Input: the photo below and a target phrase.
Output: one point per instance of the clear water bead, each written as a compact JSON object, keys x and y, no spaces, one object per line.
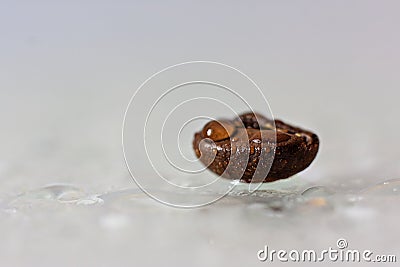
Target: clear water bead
{"x":387,"y":188}
{"x":318,"y":191}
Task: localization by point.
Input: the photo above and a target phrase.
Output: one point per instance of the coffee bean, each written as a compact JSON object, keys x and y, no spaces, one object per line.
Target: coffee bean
{"x":271,"y":153}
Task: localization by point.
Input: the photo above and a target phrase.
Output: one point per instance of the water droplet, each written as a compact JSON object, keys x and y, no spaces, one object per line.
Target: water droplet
{"x":318,"y":191}
{"x":58,"y":192}
{"x":389,"y":187}
{"x":90,"y":200}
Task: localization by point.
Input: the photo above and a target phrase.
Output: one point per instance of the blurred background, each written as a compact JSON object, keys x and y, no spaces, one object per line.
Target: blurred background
{"x":69,"y":68}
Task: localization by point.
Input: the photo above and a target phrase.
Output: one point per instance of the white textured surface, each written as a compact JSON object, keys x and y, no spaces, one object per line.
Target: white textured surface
{"x":68,"y":70}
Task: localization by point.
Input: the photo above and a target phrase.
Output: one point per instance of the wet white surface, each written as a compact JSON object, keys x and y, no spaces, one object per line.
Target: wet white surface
{"x":64,"y":225}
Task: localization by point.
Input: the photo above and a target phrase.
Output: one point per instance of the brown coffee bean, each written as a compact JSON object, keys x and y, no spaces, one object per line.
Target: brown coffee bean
{"x":252,"y":137}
